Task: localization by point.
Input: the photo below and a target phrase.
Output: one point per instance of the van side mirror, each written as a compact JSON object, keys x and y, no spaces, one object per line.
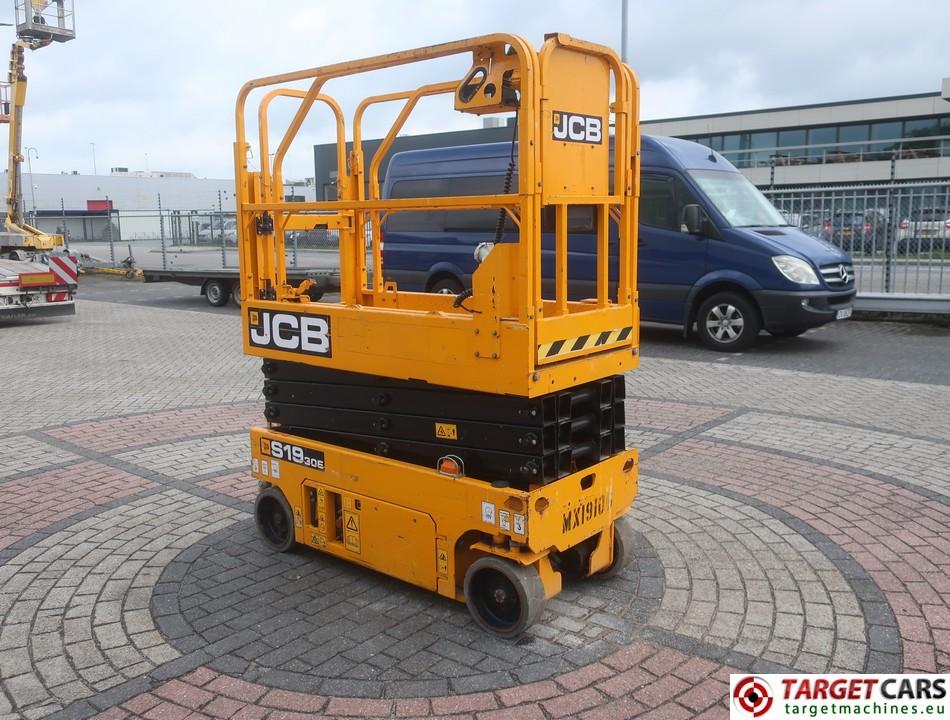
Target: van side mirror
{"x":693,"y":219}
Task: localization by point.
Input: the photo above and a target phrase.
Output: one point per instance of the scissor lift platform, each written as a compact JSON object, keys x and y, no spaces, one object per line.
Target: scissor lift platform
{"x":472,"y":445}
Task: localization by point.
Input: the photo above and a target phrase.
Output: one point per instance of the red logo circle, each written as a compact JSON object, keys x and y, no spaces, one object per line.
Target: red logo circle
{"x":752,"y":695}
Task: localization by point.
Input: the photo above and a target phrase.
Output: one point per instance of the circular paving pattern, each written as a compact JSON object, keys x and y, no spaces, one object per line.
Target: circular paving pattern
{"x":328,"y":625}
{"x":132,"y":580}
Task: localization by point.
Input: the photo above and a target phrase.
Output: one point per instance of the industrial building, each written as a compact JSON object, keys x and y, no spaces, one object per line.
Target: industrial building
{"x":901,"y":138}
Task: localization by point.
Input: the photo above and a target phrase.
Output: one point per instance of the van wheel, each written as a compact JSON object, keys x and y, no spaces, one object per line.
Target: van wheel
{"x":446,"y":286}
{"x":218,"y":292}
{"x":728,"y":322}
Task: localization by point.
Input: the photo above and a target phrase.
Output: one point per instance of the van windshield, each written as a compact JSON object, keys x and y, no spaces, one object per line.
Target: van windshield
{"x":737,"y":199}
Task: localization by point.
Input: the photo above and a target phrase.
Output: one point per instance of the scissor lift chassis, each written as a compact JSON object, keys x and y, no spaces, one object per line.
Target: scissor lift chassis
{"x":472,"y":445}
{"x":428,"y":529}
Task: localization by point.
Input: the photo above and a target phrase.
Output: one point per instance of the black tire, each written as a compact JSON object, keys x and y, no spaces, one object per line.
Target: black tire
{"x":728,"y":322}
{"x":236,"y":293}
{"x":623,"y":548}
{"x":446,"y":286}
{"x":274,"y":519}
{"x":217,"y":292}
{"x":504,"y":598}
{"x":788,"y":333}
{"x":315,"y":293}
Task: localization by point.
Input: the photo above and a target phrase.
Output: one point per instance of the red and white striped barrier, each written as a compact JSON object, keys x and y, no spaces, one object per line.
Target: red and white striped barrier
{"x":65,"y":268}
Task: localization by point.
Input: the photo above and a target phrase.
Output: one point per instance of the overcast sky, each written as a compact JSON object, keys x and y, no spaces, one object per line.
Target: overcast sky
{"x":155,"y":82}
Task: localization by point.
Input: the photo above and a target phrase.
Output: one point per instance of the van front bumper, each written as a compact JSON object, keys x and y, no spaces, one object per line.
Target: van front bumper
{"x":788,"y":310}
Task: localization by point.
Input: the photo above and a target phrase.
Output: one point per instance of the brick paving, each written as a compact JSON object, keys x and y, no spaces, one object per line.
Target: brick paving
{"x":786,"y":520}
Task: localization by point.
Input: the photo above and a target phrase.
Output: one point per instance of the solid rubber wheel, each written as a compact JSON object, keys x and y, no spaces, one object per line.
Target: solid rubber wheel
{"x":728,"y":322}
{"x":446,"y":286}
{"x":218,"y":292}
{"x":788,"y":333}
{"x":275,"y":520}
{"x":623,"y":547}
{"x":504,"y":598}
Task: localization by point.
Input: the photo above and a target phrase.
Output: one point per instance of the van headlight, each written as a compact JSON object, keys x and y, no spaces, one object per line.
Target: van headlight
{"x":795,"y":269}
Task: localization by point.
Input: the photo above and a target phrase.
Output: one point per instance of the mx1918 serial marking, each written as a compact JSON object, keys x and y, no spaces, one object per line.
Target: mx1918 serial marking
{"x":584,"y":512}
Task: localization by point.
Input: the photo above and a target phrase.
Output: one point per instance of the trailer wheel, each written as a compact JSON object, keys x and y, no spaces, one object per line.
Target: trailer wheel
{"x":504,"y":598}
{"x":217,"y":292}
{"x":236,"y":293}
{"x":623,"y":548}
{"x":275,"y":520}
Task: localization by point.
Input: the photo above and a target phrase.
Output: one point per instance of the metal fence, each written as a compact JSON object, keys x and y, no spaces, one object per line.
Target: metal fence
{"x":897,"y":234}
{"x":170,"y":239}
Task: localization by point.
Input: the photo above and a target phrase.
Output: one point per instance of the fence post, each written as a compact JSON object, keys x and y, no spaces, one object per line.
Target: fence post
{"x":62,"y":208}
{"x":891,"y":225}
{"x":224,"y":255}
{"x":161,"y":230}
{"x":109,"y":230}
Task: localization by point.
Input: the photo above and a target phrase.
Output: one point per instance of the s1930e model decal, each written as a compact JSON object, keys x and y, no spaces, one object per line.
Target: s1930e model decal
{"x":304,"y":333}
{"x":293,"y":453}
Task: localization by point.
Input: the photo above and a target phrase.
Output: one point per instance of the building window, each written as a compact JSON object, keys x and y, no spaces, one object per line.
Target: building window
{"x":883,"y":131}
{"x":822,"y":141}
{"x":762,"y":145}
{"x":849,"y":134}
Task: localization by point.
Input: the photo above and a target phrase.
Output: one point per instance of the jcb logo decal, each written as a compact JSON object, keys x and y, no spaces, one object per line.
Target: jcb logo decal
{"x":293,"y":332}
{"x":585,"y":512}
{"x":574,"y":127}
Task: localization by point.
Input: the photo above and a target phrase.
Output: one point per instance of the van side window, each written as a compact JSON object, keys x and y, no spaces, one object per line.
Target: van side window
{"x":662,"y":199}
{"x":447,"y":220}
{"x":656,"y":202}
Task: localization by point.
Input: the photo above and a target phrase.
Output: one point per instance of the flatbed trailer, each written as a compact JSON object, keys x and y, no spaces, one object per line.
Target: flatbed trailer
{"x":30,"y":290}
{"x":223,"y":284}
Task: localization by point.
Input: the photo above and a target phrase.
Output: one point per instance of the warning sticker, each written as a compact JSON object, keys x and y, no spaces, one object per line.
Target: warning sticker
{"x":351,"y":531}
{"x":274,"y":469}
{"x":504,"y":520}
{"x":446,"y":431}
{"x":519,"y":524}
{"x":443,"y":560}
{"x":488,"y":513}
{"x":255,"y":465}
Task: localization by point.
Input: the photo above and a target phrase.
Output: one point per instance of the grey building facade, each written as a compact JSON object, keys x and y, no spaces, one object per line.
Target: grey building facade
{"x":901,"y":139}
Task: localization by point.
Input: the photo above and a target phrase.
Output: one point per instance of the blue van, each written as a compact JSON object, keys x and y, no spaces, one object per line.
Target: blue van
{"x":714,"y":254}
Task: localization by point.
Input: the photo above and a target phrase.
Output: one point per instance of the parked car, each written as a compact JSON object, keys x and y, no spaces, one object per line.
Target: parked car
{"x":714,"y":253}
{"x":925,"y":229}
{"x":857,"y":231}
{"x":213,"y":232}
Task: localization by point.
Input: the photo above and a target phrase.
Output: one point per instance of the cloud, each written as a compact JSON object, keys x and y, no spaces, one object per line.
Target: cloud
{"x":161,"y":78}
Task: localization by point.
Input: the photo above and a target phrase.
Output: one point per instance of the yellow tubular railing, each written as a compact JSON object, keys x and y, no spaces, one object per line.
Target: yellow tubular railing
{"x":507,"y":314}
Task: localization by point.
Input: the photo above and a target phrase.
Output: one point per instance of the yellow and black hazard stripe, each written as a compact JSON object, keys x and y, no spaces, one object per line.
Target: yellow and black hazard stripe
{"x":584,"y":342}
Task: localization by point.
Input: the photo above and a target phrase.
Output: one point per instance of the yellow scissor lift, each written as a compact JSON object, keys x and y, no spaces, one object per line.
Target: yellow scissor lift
{"x":471,"y":445}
